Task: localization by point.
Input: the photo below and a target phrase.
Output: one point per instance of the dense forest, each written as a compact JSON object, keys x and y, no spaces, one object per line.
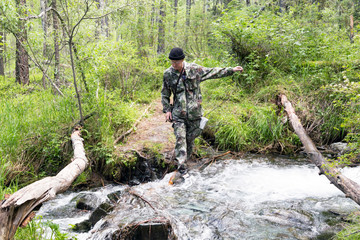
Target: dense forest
{"x":99,"y":64}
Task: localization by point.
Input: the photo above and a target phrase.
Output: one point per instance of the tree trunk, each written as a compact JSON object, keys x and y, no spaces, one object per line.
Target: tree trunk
{"x":44,"y":22}
{"x":351,"y":35}
{"x":102,"y":23}
{"x":280,"y":6}
{"x":104,"y":20}
{"x":187,"y":21}
{"x":347,"y":186}
{"x":188,"y":9}
{"x":97,"y":21}
{"x":175,"y":12}
{"x":15,"y":209}
{"x":56,"y":43}
{"x":22,"y":61}
{"x":2,"y":48}
{"x":78,"y":64}
{"x":161,"y":35}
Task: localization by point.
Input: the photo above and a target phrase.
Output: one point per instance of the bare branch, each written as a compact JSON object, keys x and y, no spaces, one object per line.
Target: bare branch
{"x":38,"y":16}
{"x":108,"y":13}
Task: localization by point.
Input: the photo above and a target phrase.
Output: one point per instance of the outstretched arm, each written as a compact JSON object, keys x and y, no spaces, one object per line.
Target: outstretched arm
{"x":211,"y":73}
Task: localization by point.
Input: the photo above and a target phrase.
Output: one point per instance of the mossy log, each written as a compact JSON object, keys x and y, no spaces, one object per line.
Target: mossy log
{"x":16,"y":209}
{"x":344,"y":184}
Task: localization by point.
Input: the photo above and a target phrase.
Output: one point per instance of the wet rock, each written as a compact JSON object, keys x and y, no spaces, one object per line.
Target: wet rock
{"x":145,"y":231}
{"x":84,"y":226}
{"x":115,"y":196}
{"x":325,"y":236}
{"x":176,"y":178}
{"x":288,"y":217}
{"x":339,"y":147}
{"x":144,"y":170}
{"x":100,"y":212}
{"x":86,"y":201}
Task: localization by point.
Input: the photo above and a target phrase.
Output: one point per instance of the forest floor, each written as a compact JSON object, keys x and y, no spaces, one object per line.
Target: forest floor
{"x":152,"y":132}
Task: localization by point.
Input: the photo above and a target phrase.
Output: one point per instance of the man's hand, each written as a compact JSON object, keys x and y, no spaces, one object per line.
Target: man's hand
{"x":168,"y":117}
{"x":238,"y":69}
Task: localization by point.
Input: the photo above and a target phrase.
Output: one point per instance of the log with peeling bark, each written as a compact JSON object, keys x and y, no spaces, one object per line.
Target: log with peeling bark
{"x":344,"y":184}
{"x":18,"y":207}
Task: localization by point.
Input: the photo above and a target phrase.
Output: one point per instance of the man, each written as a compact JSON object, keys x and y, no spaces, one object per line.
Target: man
{"x":183,"y":80}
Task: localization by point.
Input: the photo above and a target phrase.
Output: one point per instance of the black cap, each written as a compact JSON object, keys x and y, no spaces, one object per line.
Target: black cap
{"x":176,"y":54}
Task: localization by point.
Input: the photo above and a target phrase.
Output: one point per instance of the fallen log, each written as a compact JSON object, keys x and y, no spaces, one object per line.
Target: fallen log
{"x":344,"y":184}
{"x":16,"y":209}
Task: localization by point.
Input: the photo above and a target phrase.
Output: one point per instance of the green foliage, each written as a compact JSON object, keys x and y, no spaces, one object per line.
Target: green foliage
{"x":244,"y":127}
{"x":26,"y":117}
{"x":351,"y":230}
{"x":38,"y":229}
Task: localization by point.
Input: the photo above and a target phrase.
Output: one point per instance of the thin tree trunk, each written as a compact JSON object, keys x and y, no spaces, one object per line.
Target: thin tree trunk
{"x":175,"y":12}
{"x":17,"y":208}
{"x":56,"y":43}
{"x":2,"y":48}
{"x":140,"y":34}
{"x":152,"y":27}
{"x":188,"y":9}
{"x":187,"y":20}
{"x":78,"y":63}
{"x":161,"y":35}
{"x":22,"y":61}
{"x":44,"y":22}
{"x":97,"y":21}
{"x":351,"y":35}
{"x":104,"y":20}
{"x":74,"y":77}
{"x":344,"y":184}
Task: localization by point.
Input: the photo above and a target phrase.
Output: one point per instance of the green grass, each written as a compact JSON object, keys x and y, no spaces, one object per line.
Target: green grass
{"x":37,"y":229}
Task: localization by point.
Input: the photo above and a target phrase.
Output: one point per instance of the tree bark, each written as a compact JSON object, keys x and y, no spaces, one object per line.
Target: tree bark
{"x":22,"y":61}
{"x":351,"y":34}
{"x":188,"y":9}
{"x":175,"y":12}
{"x":2,"y":47}
{"x":78,"y":64}
{"x":187,"y":20}
{"x":44,"y":22}
{"x":56,"y":42}
{"x":161,"y":35}
{"x":15,"y":209}
{"x":344,"y":184}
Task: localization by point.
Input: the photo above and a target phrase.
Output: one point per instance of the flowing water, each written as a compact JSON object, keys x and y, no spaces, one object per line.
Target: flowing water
{"x":250,"y":198}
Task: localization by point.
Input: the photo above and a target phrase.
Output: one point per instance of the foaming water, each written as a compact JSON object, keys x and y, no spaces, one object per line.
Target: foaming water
{"x":234,"y":199}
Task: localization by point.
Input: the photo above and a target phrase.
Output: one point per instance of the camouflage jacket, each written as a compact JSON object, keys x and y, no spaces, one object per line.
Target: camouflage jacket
{"x":187,"y":104}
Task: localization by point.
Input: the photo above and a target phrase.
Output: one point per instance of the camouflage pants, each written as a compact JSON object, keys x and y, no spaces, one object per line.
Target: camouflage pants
{"x":185,"y":133}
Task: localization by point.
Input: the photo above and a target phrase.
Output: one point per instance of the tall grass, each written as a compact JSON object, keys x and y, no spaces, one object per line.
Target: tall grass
{"x":244,"y":127}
